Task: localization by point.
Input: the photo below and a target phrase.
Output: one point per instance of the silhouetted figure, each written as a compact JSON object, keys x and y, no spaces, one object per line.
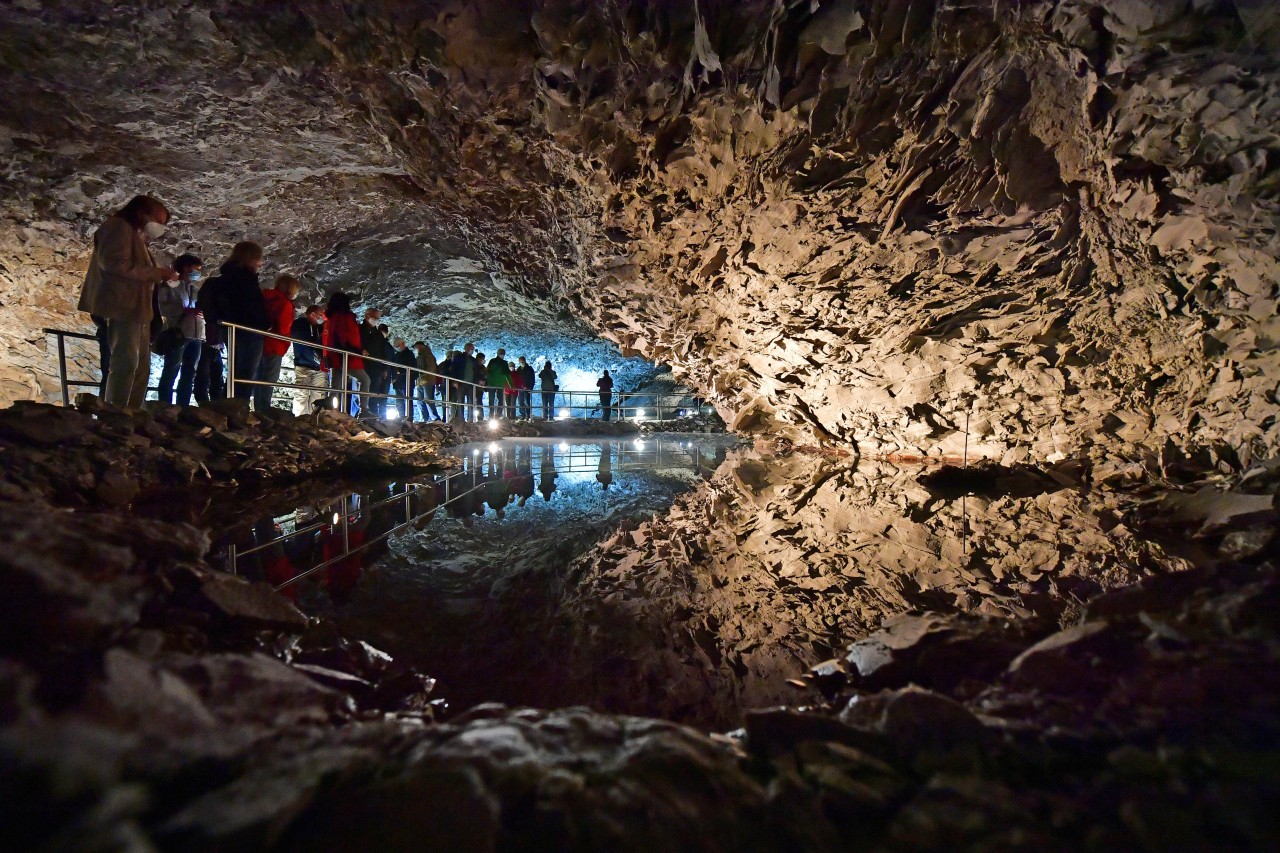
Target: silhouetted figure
{"x":427,"y":382}
{"x":604,"y":471}
{"x":238,"y":299}
{"x":605,"y":384}
{"x":547,"y":473}
{"x":402,"y":382}
{"x":547,"y":377}
{"x":375,"y":345}
{"x":118,"y":287}
{"x":211,"y":382}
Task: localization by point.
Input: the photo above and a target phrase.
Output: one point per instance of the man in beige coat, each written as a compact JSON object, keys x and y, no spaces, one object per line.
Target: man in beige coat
{"x":118,"y":288}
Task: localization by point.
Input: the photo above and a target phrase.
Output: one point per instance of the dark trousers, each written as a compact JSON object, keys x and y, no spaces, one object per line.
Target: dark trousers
{"x":268,"y":371}
{"x":210,"y":383}
{"x":379,"y":382}
{"x":526,"y":404}
{"x":248,"y":362}
{"x":606,"y":403}
{"x":180,"y":365}
{"x":104,"y":350}
{"x":548,"y":404}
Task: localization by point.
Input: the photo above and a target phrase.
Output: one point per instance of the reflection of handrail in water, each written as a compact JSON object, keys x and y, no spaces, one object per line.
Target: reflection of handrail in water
{"x":411,"y":490}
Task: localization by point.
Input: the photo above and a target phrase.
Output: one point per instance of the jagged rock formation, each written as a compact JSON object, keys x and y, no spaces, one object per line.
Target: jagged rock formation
{"x":884,"y":223}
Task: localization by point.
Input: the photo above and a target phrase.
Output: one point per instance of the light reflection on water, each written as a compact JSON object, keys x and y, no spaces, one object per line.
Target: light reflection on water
{"x":418,"y":567}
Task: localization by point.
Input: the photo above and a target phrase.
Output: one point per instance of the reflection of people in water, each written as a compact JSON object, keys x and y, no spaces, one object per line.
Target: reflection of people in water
{"x":341,"y":577}
{"x":604,"y":473}
{"x":547,"y":473}
{"x":497,"y":494}
{"x":522,"y":485}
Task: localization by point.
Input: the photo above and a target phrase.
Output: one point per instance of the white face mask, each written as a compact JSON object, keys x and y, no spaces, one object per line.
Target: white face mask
{"x":154,"y":230}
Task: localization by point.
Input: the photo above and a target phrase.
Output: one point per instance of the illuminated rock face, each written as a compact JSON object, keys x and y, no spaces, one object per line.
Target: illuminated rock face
{"x":891,"y":224}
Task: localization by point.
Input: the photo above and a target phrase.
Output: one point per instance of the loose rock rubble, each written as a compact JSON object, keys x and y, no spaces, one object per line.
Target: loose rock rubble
{"x":100,"y":455}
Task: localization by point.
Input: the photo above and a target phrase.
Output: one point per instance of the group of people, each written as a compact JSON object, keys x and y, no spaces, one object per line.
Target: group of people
{"x":462,"y":381}
{"x":139,"y":306}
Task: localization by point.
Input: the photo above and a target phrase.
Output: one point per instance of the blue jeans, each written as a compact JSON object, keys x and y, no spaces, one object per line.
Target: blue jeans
{"x":181,"y":365}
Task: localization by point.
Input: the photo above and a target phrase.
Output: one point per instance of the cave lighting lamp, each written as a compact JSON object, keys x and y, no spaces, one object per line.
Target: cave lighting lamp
{"x":639,"y":414}
{"x":493,"y":424}
{"x":392,"y":414}
{"x":564,"y":414}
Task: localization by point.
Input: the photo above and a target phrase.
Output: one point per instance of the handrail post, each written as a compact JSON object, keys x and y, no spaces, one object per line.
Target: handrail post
{"x":62,"y":369}
{"x":345,"y":396}
{"x":448,"y":400}
{"x":231,"y":360}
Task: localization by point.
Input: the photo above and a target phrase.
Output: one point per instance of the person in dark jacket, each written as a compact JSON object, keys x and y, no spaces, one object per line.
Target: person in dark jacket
{"x":481,"y":372}
{"x":463,"y":369}
{"x":605,"y":384}
{"x":307,"y":368}
{"x":496,"y":375}
{"x":468,"y":373}
{"x":237,"y":298}
{"x":402,"y":381}
{"x":548,"y":377}
{"x":375,"y":345}
{"x":211,"y":382}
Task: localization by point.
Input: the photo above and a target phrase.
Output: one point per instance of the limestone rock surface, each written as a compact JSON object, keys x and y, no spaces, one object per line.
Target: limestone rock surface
{"x":1008,"y":230}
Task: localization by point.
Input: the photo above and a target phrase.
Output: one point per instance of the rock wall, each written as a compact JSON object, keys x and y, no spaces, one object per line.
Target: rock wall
{"x":1011,"y":230}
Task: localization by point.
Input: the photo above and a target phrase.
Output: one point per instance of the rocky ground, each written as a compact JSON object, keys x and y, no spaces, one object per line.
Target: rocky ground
{"x":100,"y":455}
{"x":150,"y":702}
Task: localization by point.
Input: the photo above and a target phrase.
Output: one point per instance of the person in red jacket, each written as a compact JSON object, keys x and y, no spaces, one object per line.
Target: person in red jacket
{"x":342,"y":332}
{"x":279,"y":301}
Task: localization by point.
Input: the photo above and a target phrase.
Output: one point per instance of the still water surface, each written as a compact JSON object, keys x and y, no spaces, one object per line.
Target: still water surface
{"x":456,"y":573}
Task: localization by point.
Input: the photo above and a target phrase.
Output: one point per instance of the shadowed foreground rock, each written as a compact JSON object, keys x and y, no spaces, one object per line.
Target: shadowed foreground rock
{"x":100,"y":455}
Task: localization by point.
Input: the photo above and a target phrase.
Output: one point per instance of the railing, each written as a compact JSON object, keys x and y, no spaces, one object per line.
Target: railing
{"x":563,"y":405}
{"x":466,"y":400}
{"x":67,"y":384}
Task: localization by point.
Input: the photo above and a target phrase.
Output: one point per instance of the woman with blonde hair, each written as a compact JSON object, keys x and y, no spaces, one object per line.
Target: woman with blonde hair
{"x":237,"y":298}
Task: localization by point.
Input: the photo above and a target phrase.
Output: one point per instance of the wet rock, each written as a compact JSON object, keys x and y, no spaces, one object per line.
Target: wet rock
{"x":255,"y":688}
{"x":1063,"y":661}
{"x":256,"y":603}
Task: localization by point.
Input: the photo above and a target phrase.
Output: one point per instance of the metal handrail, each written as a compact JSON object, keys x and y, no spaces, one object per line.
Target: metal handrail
{"x":479,"y":389}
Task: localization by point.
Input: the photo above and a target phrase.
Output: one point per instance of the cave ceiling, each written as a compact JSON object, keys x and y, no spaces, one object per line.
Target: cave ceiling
{"x":1048,"y":228}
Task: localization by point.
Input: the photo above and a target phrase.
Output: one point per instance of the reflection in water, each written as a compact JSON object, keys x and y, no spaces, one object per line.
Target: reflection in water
{"x":425,"y":568}
{"x":557,"y":574}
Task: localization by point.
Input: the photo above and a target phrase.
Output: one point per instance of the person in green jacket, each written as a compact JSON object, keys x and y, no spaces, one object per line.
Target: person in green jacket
{"x":496,"y":379}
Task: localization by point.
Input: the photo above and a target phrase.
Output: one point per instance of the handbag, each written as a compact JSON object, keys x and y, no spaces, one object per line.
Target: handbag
{"x":168,"y":341}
